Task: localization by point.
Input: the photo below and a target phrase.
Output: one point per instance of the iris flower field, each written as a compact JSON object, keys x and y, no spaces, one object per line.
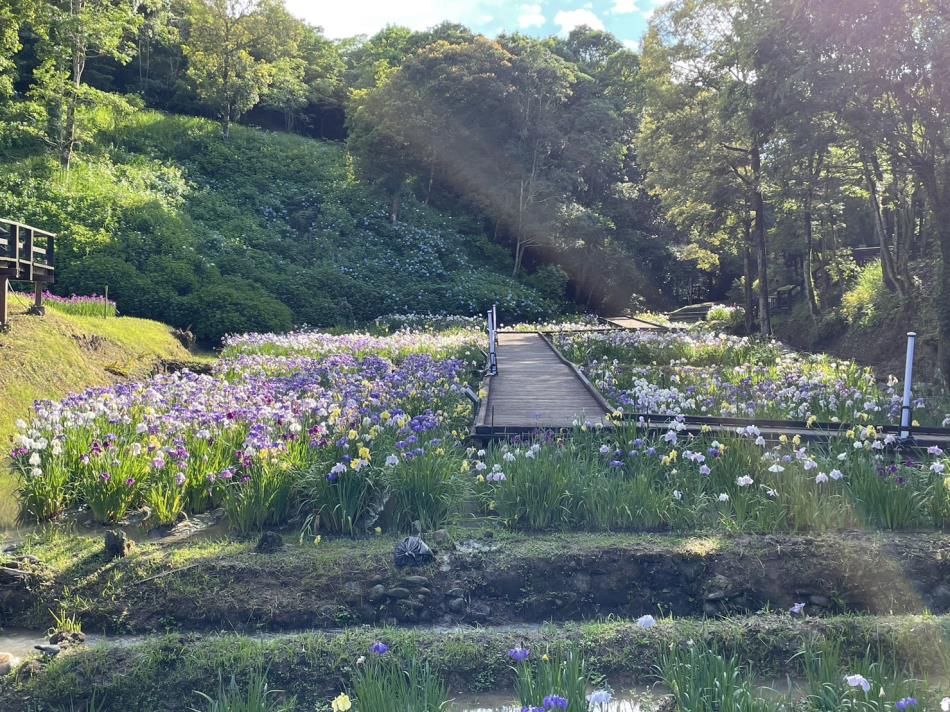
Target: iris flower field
{"x":360,"y":438}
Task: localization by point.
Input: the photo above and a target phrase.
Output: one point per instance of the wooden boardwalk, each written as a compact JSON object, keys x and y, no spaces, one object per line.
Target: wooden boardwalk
{"x":535,"y":389}
{"x":626,"y":322}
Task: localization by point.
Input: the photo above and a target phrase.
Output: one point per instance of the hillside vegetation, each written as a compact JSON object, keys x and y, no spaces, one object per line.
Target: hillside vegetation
{"x":261,"y":232}
{"x":58,"y":354}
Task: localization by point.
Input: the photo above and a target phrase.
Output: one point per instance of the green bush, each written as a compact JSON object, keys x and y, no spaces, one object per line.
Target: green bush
{"x":861,"y":303}
{"x":550,"y":281}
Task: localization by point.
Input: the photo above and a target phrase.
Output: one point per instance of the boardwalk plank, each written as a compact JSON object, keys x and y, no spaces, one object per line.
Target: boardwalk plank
{"x":534,"y":388}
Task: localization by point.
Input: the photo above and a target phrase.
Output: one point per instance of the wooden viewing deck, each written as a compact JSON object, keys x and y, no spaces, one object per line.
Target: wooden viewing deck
{"x":535,"y":388}
{"x":26,"y":255}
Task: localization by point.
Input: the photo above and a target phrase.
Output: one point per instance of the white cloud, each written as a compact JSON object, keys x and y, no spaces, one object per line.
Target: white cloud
{"x":632,"y":44}
{"x":366,"y":17}
{"x":567,"y":20}
{"x":624,"y":7}
{"x":531,"y":16}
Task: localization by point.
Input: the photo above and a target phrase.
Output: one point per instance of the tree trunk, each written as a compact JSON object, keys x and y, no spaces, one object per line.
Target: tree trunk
{"x":809,"y":277}
{"x":943,"y":302}
{"x":68,"y":136}
{"x":394,"y":208}
{"x":758,"y":206}
{"x":872,"y":177}
{"x":749,"y":275}
{"x":431,"y":180}
{"x":939,"y":196}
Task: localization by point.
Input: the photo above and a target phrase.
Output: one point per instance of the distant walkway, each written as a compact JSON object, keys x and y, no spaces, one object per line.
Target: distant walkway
{"x":626,"y":322}
{"x":535,"y":388}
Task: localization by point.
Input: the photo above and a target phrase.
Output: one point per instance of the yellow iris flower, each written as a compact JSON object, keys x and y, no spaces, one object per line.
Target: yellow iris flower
{"x":342,"y":703}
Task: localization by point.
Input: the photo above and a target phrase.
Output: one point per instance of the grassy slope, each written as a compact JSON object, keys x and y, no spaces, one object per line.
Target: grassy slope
{"x":162,"y":673}
{"x":163,"y":586}
{"x":58,"y":354}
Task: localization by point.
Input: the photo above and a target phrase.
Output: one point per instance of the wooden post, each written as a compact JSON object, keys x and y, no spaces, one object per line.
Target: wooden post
{"x":105,"y":304}
{"x":29,"y":251}
{"x":4,"y":316}
{"x":38,"y":296}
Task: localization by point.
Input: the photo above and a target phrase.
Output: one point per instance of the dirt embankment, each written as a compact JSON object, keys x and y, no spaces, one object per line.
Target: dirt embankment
{"x":510,"y":580}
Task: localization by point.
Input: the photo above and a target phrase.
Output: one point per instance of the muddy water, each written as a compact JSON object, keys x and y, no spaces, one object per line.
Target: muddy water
{"x":20,"y":641}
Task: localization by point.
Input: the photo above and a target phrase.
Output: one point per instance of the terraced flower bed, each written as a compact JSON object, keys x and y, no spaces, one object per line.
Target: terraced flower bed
{"x":701,"y":372}
{"x":794,"y":555}
{"x":896,"y":653}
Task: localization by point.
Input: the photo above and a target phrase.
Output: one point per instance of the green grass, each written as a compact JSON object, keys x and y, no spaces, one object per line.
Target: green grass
{"x":161,"y":673}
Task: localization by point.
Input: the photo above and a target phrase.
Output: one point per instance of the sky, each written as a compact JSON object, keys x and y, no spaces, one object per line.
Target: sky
{"x":626,"y":19}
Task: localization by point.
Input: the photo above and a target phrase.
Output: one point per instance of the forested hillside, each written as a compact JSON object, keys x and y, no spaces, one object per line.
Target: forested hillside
{"x":763,"y":153}
{"x":259,"y":232}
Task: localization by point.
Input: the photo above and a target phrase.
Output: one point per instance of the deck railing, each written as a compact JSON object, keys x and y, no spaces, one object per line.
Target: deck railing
{"x":26,"y":255}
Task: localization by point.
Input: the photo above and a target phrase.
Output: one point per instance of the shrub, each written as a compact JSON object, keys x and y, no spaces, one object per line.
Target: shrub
{"x":550,"y":281}
{"x":861,"y":303}
{"x":726,"y":318}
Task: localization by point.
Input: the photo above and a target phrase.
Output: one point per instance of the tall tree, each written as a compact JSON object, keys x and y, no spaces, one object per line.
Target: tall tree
{"x":701,"y":57}
{"x":229,"y":78}
{"x":895,"y":57}
{"x":72,"y":32}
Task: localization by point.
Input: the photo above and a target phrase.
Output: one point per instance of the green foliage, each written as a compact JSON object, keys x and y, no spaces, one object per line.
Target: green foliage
{"x":701,"y":679}
{"x":576,"y":486}
{"x":427,"y":489}
{"x":725,"y":318}
{"x":342,"y":503}
{"x":260,"y":498}
{"x":864,"y":303}
{"x":549,"y":280}
{"x":827,"y":691}
{"x":256,"y":696}
{"x":382,"y":685}
{"x":221,"y":40}
{"x":173,"y":220}
{"x":560,"y":673}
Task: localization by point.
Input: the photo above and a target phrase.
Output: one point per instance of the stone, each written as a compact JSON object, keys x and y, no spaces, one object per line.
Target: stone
{"x":398,"y":592}
{"x":423,"y":592}
{"x":717,"y":588}
{"x":118,"y":544}
{"x":377,"y":593}
{"x":479,"y":611}
{"x":820,"y":601}
{"x":457,"y":605}
{"x":65,"y":639}
{"x":441,"y":537}
{"x":29,"y":669}
{"x":415,"y":581}
{"x":352,"y":592}
{"x":580,"y":582}
{"x":8,"y":662}
{"x":269,"y":543}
